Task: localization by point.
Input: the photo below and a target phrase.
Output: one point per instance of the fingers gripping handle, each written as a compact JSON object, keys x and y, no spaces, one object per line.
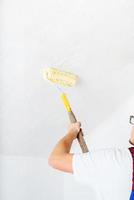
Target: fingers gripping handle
{"x":73,"y":120}
{"x":80,"y":134}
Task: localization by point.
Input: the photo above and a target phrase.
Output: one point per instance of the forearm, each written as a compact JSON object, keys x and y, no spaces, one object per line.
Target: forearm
{"x":61,"y":158}
{"x":63,"y":146}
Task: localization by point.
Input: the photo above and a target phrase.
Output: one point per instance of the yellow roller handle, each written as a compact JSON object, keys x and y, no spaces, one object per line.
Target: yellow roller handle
{"x":73,"y":120}
{"x":66,"y":102}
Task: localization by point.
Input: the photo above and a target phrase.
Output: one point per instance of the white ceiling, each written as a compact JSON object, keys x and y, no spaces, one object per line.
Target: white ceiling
{"x":95,"y":40}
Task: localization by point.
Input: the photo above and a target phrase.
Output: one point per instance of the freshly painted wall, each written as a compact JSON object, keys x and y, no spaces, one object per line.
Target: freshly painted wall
{"x":28,"y":178}
{"x":95,"y":40}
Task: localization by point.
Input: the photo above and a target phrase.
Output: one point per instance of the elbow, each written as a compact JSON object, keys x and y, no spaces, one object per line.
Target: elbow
{"x":55,"y":162}
{"x":61,"y":163}
{"x":52,"y":162}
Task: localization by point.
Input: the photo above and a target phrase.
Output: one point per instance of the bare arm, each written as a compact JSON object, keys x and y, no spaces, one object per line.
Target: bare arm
{"x":60,"y":158}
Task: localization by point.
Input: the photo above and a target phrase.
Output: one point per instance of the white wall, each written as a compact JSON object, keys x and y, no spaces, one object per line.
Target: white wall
{"x":95,"y":40}
{"x":28,"y":178}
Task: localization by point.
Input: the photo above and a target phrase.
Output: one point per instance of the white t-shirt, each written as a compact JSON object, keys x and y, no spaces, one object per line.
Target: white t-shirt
{"x":107,"y":171}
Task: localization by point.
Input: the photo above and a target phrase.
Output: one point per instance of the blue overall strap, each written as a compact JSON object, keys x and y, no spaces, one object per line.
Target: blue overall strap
{"x":132,"y":195}
{"x":131,"y":149}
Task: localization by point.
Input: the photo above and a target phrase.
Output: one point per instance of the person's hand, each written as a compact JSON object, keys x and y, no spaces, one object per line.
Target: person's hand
{"x":74,"y":129}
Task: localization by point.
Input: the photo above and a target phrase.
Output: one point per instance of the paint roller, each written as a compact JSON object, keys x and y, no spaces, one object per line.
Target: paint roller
{"x":64,"y":78}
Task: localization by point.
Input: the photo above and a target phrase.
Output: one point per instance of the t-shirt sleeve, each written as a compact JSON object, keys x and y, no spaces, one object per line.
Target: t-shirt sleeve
{"x":85,"y":167}
{"x":93,"y":167}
